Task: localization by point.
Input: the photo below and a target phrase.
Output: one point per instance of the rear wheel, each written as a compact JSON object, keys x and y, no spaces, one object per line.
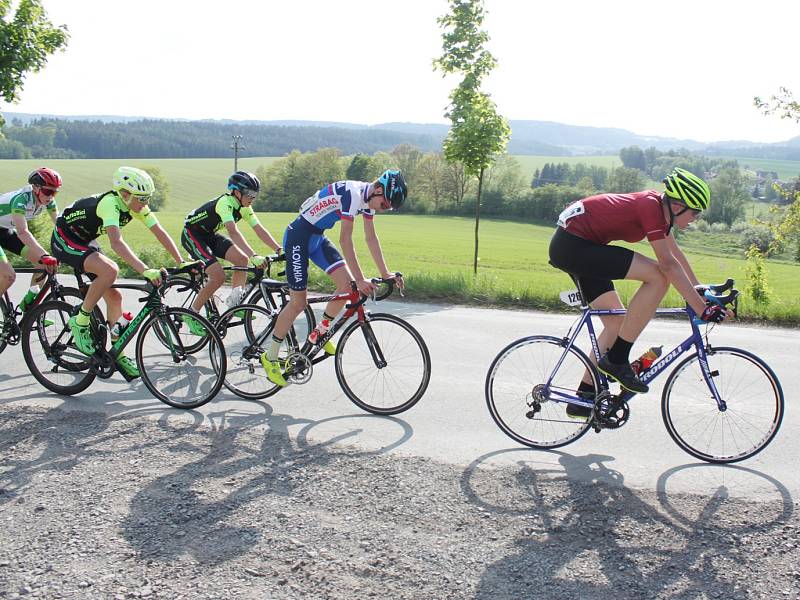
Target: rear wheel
{"x":7,"y":323}
{"x":273,"y":302}
{"x":49,"y":350}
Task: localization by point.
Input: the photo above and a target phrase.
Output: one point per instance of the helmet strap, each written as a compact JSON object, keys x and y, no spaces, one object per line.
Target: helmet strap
{"x":668,"y":205}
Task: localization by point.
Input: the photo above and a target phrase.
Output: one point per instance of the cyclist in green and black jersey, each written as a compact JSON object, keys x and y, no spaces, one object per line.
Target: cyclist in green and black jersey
{"x":201,"y":239}
{"x":74,"y":242}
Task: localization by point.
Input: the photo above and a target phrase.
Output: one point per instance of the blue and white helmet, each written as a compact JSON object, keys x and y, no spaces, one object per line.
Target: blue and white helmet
{"x":394,"y":187}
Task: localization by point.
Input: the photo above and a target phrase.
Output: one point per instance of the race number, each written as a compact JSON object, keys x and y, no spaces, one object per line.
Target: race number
{"x":573,"y":210}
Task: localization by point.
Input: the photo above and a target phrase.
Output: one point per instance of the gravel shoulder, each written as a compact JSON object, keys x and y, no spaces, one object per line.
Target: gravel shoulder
{"x":99,"y":506}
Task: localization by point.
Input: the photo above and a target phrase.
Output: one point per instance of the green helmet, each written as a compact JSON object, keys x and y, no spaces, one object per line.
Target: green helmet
{"x":687,"y":188}
{"x":136,"y":181}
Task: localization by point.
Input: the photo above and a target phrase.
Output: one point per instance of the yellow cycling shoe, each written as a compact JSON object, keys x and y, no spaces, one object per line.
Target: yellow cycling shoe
{"x":273,"y":369}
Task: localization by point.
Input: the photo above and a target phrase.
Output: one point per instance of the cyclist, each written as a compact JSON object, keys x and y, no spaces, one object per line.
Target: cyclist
{"x":305,"y":239}
{"x":201,"y":240}
{"x":16,"y":209}
{"x":580,"y":246}
{"x":74,"y":242}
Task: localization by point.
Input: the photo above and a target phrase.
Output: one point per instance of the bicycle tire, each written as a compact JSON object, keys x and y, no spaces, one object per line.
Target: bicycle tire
{"x":167,"y":368}
{"x":404,"y":377}
{"x":245,"y":337}
{"x":752,"y":417}
{"x":184,"y":299}
{"x":74,"y":297}
{"x":57,"y":350}
{"x":516,"y":376}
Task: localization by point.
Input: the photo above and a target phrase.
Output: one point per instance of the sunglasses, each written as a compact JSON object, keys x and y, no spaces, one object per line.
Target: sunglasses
{"x":249,"y":193}
{"x":47,"y":191}
{"x":142,"y":199}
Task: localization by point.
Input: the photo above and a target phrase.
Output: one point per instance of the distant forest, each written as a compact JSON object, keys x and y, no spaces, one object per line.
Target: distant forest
{"x":57,"y":138}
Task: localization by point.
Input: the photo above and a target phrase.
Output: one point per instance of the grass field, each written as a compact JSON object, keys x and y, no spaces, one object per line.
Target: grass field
{"x":786,"y":169}
{"x":436,"y":255}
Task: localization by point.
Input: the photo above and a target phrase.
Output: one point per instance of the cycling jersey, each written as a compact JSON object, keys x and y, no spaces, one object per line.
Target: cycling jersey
{"x":213,"y":215}
{"x":340,"y":200}
{"x":609,"y":217}
{"x":22,"y":202}
{"x":88,"y":218}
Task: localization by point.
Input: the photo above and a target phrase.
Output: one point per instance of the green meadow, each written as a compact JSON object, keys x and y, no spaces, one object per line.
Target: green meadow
{"x":435,"y":252}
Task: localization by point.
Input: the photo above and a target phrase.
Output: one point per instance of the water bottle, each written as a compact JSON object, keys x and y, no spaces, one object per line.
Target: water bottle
{"x":320,"y":330}
{"x":646,"y":360}
{"x":28,"y":298}
{"x":118,"y":327}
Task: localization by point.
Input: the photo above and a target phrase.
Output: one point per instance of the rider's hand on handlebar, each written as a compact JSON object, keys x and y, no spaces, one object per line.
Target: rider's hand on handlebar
{"x":155,"y":276}
{"x":257,"y":261}
{"x":398,"y":279}
{"x":714,"y":313}
{"x":366,"y":287}
{"x":50,"y":263}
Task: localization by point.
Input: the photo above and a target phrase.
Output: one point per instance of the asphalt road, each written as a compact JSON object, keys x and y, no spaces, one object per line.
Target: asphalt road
{"x":451,"y":423}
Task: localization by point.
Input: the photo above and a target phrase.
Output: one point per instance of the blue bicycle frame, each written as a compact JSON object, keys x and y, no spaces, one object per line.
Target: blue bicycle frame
{"x":695,"y":340}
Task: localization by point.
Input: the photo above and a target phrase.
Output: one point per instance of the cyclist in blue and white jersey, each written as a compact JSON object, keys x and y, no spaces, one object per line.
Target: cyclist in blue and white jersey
{"x":16,"y":209}
{"x":305,"y":239}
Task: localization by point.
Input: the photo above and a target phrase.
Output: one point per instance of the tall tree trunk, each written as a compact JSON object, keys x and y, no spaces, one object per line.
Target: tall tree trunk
{"x":477,"y":221}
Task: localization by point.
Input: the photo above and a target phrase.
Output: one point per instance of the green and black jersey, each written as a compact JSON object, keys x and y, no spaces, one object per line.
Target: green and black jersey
{"x":88,"y":218}
{"x":213,"y":215}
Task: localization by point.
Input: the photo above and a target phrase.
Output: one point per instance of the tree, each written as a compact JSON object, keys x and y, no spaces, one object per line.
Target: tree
{"x":25,"y":42}
{"x":623,"y":180}
{"x":358,"y":170}
{"x":159,"y":198}
{"x":633,"y":158}
{"x":477,"y":133}
{"x":729,"y":196}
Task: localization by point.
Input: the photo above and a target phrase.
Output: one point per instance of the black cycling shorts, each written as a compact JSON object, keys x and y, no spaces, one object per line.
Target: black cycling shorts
{"x":70,"y":249}
{"x":10,"y":241}
{"x":205,"y":246}
{"x":592,"y":266}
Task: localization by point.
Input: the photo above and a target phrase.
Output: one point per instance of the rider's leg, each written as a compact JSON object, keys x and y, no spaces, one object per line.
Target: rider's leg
{"x":7,"y":274}
{"x":105,"y":271}
{"x":34,"y":257}
{"x":341,"y":277}
{"x":289,"y":312}
{"x":237,"y":258}
{"x":216,"y":277}
{"x":113,"y":298}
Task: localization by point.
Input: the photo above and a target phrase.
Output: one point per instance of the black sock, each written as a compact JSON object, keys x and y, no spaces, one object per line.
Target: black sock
{"x":619,"y":353}
{"x":586,"y":387}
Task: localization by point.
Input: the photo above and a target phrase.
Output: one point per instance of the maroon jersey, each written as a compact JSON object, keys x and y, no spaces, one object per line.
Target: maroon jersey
{"x":610,"y":217}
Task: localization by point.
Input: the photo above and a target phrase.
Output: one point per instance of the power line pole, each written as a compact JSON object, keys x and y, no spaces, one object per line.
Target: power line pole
{"x":236,"y":146}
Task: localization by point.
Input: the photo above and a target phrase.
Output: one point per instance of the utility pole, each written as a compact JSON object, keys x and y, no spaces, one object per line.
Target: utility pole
{"x":236,"y":146}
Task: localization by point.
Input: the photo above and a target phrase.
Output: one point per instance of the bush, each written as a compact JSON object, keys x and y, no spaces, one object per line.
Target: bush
{"x":700,"y":225}
{"x":759,"y":236}
{"x":719,"y":227}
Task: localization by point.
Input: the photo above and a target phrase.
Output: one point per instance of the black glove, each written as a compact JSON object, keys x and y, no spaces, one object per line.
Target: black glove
{"x":713,"y":313}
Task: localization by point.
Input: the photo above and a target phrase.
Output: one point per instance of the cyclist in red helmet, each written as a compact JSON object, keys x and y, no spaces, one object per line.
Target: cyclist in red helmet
{"x":16,"y":209}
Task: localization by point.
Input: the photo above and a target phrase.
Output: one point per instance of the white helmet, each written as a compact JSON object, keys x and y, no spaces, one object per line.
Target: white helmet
{"x":136,"y":181}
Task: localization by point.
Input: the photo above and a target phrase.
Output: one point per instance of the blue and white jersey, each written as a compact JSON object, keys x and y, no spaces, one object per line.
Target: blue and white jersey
{"x":340,"y":200}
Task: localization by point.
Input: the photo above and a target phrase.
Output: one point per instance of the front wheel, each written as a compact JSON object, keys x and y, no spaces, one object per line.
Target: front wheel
{"x":751,"y":416}
{"x":171,"y":372}
{"x":49,"y":350}
{"x":383,"y":364}
{"x":522,"y":403}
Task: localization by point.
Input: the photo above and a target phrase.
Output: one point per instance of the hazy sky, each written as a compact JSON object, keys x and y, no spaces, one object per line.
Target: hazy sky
{"x":686,"y":69}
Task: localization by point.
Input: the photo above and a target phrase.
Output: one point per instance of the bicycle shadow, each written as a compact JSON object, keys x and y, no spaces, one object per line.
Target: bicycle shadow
{"x":235,"y":476}
{"x":585,"y":534}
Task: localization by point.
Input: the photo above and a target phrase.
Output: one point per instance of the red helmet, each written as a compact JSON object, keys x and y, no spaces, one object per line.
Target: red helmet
{"x":45,"y":177}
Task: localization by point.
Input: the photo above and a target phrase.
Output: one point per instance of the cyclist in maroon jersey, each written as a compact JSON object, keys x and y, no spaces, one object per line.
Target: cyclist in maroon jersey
{"x":581,"y":247}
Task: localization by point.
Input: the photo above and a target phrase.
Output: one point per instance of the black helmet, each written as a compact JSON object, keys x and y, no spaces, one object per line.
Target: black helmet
{"x":243,"y":180}
{"x":394,"y":187}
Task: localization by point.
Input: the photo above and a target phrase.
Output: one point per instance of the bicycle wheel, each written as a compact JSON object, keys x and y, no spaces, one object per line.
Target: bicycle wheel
{"x":515,"y":393}
{"x":386,"y":367}
{"x":174,"y":375}
{"x":73,"y":297}
{"x":303,"y":324}
{"x":753,"y":413}
{"x":247,"y":332}
{"x":50,"y":352}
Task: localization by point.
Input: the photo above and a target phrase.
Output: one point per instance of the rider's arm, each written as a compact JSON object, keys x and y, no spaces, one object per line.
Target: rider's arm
{"x":166,"y":240}
{"x":673,"y":270}
{"x":681,"y":257}
{"x":24,"y":234}
{"x":349,"y":250}
{"x":374,"y":245}
{"x":238,"y":239}
{"x":261,"y":231}
{"x":121,"y":247}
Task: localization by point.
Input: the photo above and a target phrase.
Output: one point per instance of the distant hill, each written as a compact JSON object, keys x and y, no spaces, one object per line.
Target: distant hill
{"x":210,"y":137}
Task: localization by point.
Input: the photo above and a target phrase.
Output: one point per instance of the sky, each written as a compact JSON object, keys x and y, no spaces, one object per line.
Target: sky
{"x":682,"y":69}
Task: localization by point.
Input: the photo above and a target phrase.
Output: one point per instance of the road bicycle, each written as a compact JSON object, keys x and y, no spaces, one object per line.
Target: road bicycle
{"x":172,"y":372}
{"x":12,"y":317}
{"x":381,"y":361}
{"x":181,"y":291}
{"x":720,"y":404}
